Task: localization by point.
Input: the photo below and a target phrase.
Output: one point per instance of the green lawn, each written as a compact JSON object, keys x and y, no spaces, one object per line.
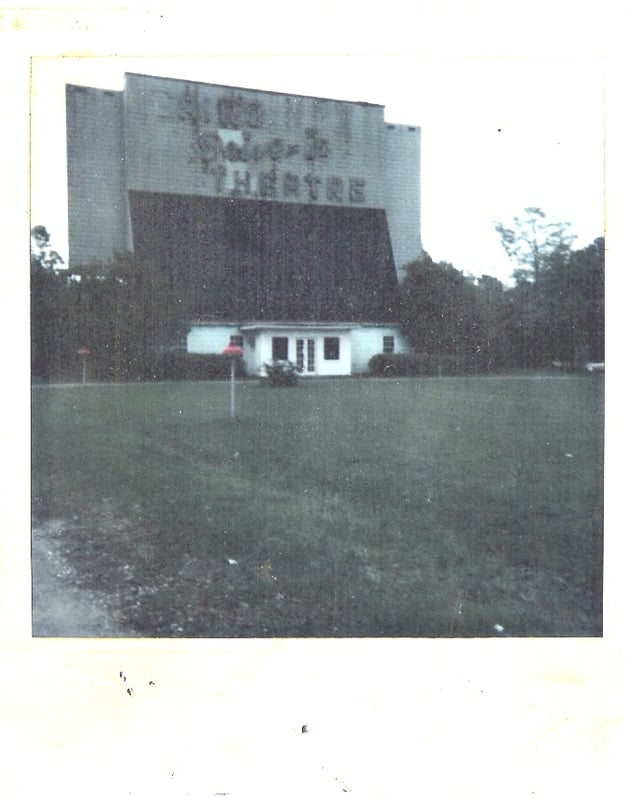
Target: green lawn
{"x":420,"y":507}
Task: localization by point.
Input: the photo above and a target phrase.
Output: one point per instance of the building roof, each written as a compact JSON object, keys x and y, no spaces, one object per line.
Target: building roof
{"x":284,"y":325}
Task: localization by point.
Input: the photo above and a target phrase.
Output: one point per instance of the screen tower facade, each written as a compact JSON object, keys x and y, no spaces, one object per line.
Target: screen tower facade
{"x":253,"y":204}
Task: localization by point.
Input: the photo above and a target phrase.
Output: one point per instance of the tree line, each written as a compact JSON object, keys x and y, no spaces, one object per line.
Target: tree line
{"x":553,"y":315}
{"x":133,"y":323}
{"x":124,"y":317}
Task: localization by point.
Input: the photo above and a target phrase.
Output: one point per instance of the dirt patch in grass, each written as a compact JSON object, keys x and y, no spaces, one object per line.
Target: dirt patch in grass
{"x":63,"y":605}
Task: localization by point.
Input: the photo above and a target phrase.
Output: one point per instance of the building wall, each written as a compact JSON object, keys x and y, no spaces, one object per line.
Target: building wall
{"x":97,"y":206}
{"x":322,"y":367}
{"x":243,"y":259}
{"x":210,"y":338}
{"x":367,"y":341}
{"x":357,"y":344}
{"x":165,"y":136}
{"x":403,"y":193}
{"x":215,"y":141}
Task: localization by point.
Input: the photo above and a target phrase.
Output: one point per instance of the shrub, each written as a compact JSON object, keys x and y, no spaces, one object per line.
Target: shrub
{"x":281,"y":373}
{"x":394,"y":365}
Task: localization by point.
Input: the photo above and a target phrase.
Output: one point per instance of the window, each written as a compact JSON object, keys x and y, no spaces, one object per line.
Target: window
{"x":389,"y":344}
{"x":280,"y":348}
{"x":332,"y":348}
{"x":236,"y":341}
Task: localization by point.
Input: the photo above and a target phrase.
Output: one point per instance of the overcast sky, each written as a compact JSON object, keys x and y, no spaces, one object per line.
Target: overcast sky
{"x":498,"y":134}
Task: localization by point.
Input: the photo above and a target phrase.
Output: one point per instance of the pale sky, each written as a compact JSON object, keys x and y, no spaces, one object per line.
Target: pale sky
{"x":498,"y":134}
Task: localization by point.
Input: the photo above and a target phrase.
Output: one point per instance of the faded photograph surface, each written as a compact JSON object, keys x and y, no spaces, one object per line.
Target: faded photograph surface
{"x":262,"y":408}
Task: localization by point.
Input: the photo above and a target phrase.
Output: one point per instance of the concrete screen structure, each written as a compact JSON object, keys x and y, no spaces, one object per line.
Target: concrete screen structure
{"x":252,"y":205}
{"x":215,"y":141}
{"x":173,"y":137}
{"x":98,"y":224}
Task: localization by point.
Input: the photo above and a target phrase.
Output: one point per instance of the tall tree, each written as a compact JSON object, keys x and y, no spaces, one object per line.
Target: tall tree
{"x":492,"y":301}
{"x":439,"y":310}
{"x":48,"y":308}
{"x":42,"y":254}
{"x":573,"y":299}
{"x":127,"y":314}
{"x":532,"y":240}
{"x":539,"y":247}
{"x":590,"y":263}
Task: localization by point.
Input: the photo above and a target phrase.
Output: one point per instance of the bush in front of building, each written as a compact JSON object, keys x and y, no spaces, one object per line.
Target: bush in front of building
{"x":182,"y":366}
{"x":280,"y":373}
{"x":395,"y":365}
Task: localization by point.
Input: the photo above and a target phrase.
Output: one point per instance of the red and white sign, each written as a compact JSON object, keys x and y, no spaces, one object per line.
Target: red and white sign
{"x":232,"y":350}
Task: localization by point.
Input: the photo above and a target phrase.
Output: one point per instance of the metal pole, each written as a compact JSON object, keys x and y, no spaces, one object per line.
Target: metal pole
{"x":232,"y":387}
{"x":83,"y":369}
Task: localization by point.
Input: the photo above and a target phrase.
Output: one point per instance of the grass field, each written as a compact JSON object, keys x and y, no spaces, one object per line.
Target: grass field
{"x":352,"y":507}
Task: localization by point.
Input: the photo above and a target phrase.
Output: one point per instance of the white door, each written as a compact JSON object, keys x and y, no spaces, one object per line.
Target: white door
{"x":306,"y":356}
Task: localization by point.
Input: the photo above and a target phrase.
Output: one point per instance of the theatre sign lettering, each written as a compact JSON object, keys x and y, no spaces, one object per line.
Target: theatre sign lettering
{"x":235,"y":144}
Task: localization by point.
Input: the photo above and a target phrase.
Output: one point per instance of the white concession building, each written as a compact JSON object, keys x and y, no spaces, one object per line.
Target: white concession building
{"x":316,"y":348}
{"x":281,"y":222}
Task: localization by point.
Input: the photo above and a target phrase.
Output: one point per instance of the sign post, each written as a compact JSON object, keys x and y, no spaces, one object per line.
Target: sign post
{"x":83,"y":353}
{"x":234,"y":352}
